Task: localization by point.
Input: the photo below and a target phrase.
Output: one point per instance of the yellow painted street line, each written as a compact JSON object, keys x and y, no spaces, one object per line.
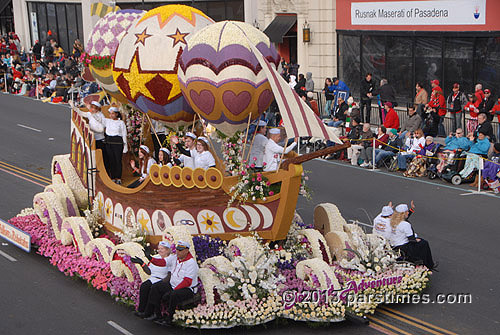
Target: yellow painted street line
{"x":380,"y":322}
{"x":381,"y":329}
{"x":417,"y":320}
{"x":24,"y":178}
{"x":25,"y":172}
{"x":414,"y":324}
{"x":29,"y":176}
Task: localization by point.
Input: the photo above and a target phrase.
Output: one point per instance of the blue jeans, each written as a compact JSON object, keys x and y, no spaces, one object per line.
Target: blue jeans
{"x":403,"y":159}
{"x":380,"y":155}
{"x":328,"y":107}
{"x":335,"y":123}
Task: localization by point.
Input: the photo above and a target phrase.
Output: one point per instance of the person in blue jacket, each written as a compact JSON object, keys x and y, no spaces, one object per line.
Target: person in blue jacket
{"x":478,"y":149}
{"x":457,"y":141}
{"x":339,"y":85}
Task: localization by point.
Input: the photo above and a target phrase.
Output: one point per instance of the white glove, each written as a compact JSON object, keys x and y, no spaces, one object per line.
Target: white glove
{"x":125,"y":148}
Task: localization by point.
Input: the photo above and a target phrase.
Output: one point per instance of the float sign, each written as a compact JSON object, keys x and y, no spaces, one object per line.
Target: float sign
{"x":15,"y":236}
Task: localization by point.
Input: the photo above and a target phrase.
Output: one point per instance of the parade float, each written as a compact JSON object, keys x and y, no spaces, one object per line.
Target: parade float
{"x":259,"y":260}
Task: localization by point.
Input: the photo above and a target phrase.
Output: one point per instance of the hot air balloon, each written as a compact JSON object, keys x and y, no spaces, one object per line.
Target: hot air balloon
{"x":146,"y":61}
{"x":102,"y":44}
{"x":221,"y":78}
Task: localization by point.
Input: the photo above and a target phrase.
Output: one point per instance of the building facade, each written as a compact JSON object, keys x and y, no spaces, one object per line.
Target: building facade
{"x":418,"y":41}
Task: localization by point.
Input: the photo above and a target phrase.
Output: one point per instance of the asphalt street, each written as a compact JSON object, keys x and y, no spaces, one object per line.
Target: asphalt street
{"x":461,"y":229}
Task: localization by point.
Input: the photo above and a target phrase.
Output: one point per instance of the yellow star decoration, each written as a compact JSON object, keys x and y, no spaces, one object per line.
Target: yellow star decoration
{"x":137,"y":80}
{"x":209,"y":222}
{"x":178,"y":37}
{"x":144,"y":222}
{"x":141,"y":38}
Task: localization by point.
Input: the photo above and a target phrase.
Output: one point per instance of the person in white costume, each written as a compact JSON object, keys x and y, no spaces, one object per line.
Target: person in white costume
{"x":273,"y":151}
{"x":259,"y":145}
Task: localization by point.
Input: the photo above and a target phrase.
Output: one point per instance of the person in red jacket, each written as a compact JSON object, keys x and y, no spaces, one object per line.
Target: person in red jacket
{"x":496,"y":111}
{"x":479,"y":95}
{"x":438,"y":102}
{"x":472,"y":108}
{"x":391,"y":118}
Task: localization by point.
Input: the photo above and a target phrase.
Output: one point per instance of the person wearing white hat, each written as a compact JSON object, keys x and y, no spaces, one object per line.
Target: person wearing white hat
{"x":189,"y":151}
{"x":145,"y":163}
{"x":96,"y":123}
{"x":165,"y":158}
{"x":116,"y":144}
{"x":203,"y":158}
{"x":259,"y":145}
{"x":273,"y":151}
{"x":403,"y":239}
{"x":382,"y":223}
{"x":182,"y":285}
{"x":158,"y":267}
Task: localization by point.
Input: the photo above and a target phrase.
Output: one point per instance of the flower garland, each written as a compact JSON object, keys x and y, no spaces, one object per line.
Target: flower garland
{"x":232,"y":148}
{"x":97,"y":61}
{"x":134,"y":123}
{"x":305,"y":190}
{"x":251,"y":185}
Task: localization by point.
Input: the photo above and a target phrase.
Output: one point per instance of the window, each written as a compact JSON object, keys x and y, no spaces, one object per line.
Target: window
{"x":72,"y":25}
{"x":428,"y":61}
{"x":373,"y":56}
{"x":349,"y":62}
{"x":458,"y":67}
{"x":62,"y":28}
{"x":488,"y":63}
{"x":400,"y":68}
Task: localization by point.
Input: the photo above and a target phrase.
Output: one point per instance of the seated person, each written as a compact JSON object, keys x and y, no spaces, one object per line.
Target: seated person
{"x":413,"y":144}
{"x":353,"y":151}
{"x":339,"y":114}
{"x":491,"y":170}
{"x":402,"y":238}
{"x":392,"y":148}
{"x":453,"y":143}
{"x":367,"y":152}
{"x":382,"y":223}
{"x":417,"y":167}
{"x":164,"y":158}
{"x":145,"y":163}
{"x":485,"y":126}
{"x":158,"y":268}
{"x":478,"y":148}
{"x":431,"y":122}
{"x":412,"y":123}
{"x":183,"y":284}
{"x":391,"y":120}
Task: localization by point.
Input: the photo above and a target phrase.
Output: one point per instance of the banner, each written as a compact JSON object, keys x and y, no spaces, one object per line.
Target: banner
{"x":15,"y":236}
{"x":412,"y":13}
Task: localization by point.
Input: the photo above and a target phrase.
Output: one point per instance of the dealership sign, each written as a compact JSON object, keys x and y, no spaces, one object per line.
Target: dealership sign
{"x":414,"y":13}
{"x":15,"y":235}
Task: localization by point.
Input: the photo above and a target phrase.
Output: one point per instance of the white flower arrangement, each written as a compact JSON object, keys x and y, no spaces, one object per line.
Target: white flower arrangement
{"x":50,"y":211}
{"x":72,"y":179}
{"x":94,"y":219}
{"x":80,"y":232}
{"x":65,"y":196}
{"x":132,"y":234}
{"x":119,"y":269}
{"x":26,"y":211}
{"x":317,"y":274}
{"x":331,"y":312}
{"x":103,"y":246}
{"x":318,"y":244}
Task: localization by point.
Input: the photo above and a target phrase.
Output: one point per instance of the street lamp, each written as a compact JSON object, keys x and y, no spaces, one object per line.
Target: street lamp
{"x":306,"y":33}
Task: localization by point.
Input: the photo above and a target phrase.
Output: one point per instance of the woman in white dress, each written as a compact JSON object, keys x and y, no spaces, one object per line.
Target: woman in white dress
{"x":116,"y":144}
{"x":203,"y":157}
{"x":145,"y":163}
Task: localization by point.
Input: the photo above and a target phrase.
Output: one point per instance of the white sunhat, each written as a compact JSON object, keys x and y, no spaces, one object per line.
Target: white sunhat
{"x":96,"y":103}
{"x":190,"y":134}
{"x":274,"y":131}
{"x":165,"y":150}
{"x":402,"y":208}
{"x":262,"y":123}
{"x":387,"y":211}
{"x":145,"y":148}
{"x":113,"y":109}
{"x":204,"y":139}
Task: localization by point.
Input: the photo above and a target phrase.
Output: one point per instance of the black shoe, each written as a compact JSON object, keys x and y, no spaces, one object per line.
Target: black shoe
{"x":153,"y":317}
{"x":140,"y":314}
{"x":164,"y":322}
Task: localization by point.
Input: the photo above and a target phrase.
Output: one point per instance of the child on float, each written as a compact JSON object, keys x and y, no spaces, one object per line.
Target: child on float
{"x":145,"y":163}
{"x":165,"y":158}
{"x":116,"y":144}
